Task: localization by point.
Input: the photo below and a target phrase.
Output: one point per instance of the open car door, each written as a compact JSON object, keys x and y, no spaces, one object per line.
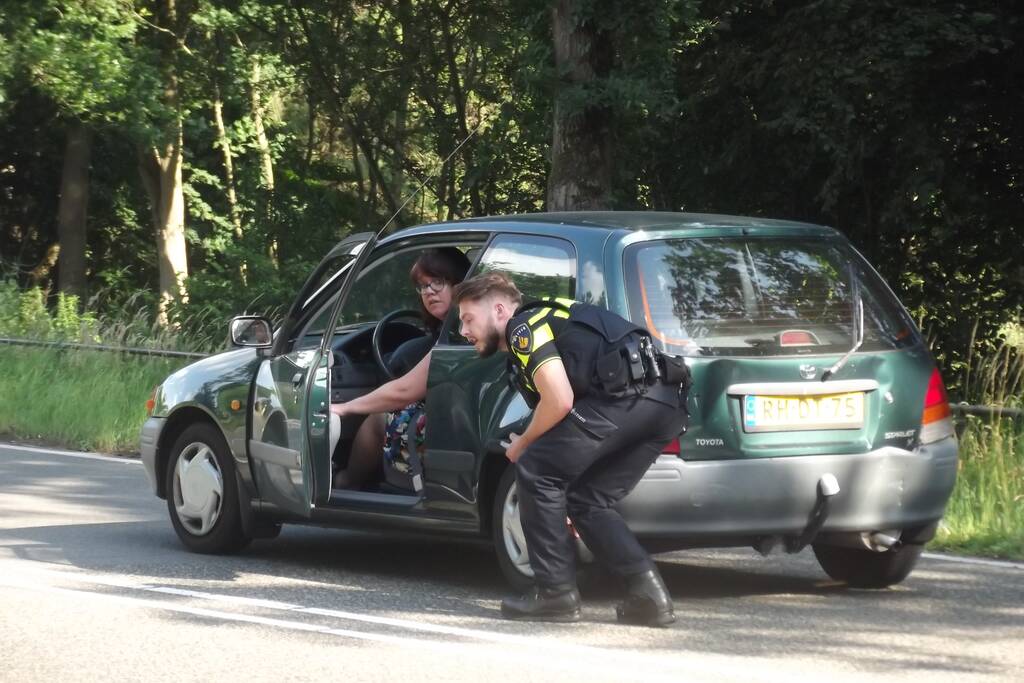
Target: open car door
{"x":289,"y":445}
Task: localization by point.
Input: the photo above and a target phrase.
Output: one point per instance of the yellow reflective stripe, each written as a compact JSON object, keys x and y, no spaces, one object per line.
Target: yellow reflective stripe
{"x":542,"y":364}
{"x":542,"y":335}
{"x":538,"y":315}
{"x":561,"y":314}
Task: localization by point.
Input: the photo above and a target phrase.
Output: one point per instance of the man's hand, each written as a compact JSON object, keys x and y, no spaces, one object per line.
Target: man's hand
{"x":513,"y":447}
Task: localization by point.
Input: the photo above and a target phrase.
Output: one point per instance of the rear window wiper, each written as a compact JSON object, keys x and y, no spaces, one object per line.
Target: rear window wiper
{"x":858,"y":328}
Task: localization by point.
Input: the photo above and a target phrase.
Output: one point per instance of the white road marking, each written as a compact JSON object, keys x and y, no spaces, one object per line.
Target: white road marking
{"x":1005,"y":564}
{"x":524,"y":658}
{"x":541,"y":651}
{"x":70,"y":454}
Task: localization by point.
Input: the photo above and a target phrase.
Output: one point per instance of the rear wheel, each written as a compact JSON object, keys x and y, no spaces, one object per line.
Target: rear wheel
{"x":863,"y":568}
{"x":202,"y":493}
{"x":509,"y":541}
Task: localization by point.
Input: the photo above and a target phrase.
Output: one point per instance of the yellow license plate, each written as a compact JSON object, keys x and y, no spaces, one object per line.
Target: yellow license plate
{"x":799,"y":413}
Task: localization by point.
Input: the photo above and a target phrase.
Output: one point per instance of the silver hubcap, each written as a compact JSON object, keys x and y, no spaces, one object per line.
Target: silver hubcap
{"x":512,"y":533}
{"x":515,"y":541}
{"x":198,"y":488}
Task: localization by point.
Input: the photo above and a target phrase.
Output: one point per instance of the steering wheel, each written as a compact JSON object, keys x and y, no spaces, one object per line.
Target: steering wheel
{"x":378,"y":334}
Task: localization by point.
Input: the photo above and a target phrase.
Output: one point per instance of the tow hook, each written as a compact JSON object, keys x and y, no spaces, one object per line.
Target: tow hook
{"x":828,"y":486}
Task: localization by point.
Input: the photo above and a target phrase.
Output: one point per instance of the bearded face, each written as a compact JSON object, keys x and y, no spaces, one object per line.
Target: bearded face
{"x":480,"y":325}
{"x":491,"y":342}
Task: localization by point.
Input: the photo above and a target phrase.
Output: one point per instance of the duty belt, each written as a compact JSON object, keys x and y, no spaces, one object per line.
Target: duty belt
{"x":637,"y":364}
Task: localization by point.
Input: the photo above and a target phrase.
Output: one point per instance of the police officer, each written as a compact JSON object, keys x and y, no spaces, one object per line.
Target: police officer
{"x":605,"y":404}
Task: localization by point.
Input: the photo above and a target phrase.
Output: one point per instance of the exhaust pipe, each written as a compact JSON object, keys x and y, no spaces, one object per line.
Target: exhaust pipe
{"x":880,"y":541}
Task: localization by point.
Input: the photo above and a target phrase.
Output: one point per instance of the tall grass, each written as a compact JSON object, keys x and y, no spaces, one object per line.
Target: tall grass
{"x":82,"y":399}
{"x":127,"y":322}
{"x":986,"y":512}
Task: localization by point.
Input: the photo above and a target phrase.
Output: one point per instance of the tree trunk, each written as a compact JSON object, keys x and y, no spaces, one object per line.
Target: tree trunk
{"x":262,"y":142}
{"x":262,"y":145}
{"x":160,"y":167}
{"x":74,"y":210}
{"x":229,"y":175}
{"x":581,"y":168}
{"x":161,"y":176}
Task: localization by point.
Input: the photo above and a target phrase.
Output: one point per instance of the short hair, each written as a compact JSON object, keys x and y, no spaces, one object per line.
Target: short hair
{"x":446,"y":263}
{"x":485,"y":285}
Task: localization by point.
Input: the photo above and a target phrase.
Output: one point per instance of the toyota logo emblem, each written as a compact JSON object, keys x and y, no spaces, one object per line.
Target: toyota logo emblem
{"x":808,"y":371}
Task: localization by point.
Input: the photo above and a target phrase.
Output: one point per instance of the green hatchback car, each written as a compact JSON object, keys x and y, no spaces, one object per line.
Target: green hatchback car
{"x":817,"y":414}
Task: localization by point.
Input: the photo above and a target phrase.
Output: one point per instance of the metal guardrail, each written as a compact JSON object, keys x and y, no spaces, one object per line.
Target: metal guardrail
{"x":131,"y":350}
{"x":990,"y":412}
{"x":987,"y":411}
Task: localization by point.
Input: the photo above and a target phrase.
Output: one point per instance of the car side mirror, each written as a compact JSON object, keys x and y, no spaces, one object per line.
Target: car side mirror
{"x":251,"y":331}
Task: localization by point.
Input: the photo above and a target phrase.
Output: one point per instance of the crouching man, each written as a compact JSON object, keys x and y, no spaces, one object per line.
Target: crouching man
{"x":605,"y":403}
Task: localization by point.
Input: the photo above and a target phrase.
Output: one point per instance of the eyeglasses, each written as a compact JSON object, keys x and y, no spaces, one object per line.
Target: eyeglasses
{"x":435,"y":285}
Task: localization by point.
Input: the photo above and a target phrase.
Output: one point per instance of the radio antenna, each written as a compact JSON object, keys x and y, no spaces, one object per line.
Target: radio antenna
{"x":430,"y":177}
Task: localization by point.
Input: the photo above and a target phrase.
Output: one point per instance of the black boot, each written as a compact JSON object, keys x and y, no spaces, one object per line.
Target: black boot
{"x":647,"y":602}
{"x":544,"y":604}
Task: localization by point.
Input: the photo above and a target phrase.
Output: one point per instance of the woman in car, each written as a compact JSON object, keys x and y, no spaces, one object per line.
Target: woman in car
{"x":433,"y":275}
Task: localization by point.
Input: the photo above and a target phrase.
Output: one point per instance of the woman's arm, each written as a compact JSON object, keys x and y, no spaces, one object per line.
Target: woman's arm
{"x":398,"y":393}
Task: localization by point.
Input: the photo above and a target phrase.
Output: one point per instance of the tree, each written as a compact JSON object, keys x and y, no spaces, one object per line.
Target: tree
{"x":581,"y":146}
{"x":78,"y":56}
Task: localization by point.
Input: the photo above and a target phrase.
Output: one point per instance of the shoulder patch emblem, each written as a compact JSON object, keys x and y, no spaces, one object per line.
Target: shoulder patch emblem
{"x":522,"y":339}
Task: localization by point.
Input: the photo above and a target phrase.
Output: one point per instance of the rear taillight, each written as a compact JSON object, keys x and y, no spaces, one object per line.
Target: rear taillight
{"x":937,"y":420}
{"x":672,"y":448}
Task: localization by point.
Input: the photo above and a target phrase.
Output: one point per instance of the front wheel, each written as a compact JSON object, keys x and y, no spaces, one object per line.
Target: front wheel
{"x":202,"y":493}
{"x":509,"y":541}
{"x":863,"y":568}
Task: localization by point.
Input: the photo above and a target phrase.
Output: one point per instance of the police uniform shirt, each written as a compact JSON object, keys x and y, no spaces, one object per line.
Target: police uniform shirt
{"x":537,"y":335}
{"x":531,"y":336}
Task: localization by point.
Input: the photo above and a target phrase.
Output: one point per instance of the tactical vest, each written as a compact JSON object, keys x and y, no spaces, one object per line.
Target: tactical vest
{"x":603,"y":353}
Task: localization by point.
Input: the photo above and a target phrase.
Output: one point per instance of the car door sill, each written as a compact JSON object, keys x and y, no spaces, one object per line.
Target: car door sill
{"x":367,"y":499}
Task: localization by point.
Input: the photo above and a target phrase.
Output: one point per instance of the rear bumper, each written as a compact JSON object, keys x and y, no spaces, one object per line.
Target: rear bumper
{"x":149,"y":438}
{"x":889,"y":488}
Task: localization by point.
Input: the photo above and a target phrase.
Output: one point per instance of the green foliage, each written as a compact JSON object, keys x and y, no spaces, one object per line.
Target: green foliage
{"x":985,"y":515}
{"x":100,"y":405}
{"x":24,"y":314}
{"x":896,"y":122}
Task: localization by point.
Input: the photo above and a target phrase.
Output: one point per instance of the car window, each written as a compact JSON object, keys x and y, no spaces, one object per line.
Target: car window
{"x":310,"y":335}
{"x":760,"y":296}
{"x":381,"y":287}
{"x":540,"y":267}
{"x":385,"y":285}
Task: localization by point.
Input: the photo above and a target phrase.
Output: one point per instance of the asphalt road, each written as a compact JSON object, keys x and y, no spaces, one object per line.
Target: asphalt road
{"x":95,"y":586}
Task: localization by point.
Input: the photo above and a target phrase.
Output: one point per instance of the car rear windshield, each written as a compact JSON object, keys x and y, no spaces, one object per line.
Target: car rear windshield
{"x":761,"y":296}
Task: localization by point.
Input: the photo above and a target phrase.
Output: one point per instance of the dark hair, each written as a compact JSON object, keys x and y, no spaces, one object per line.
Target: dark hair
{"x":446,"y":263}
{"x":480,"y":286}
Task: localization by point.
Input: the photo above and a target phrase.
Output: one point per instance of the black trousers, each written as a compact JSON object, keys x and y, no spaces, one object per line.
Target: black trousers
{"x":582,"y":467}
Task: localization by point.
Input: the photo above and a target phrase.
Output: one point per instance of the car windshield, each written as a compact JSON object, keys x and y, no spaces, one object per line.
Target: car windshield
{"x":760,"y":296}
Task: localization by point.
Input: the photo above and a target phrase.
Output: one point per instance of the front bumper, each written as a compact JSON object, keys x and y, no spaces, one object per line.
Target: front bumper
{"x":149,"y":438}
{"x":888,"y":488}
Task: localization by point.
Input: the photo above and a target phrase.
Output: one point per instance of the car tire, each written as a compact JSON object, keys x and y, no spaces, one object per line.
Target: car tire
{"x":202,"y":492}
{"x":863,"y":568}
{"x":510,"y":545}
